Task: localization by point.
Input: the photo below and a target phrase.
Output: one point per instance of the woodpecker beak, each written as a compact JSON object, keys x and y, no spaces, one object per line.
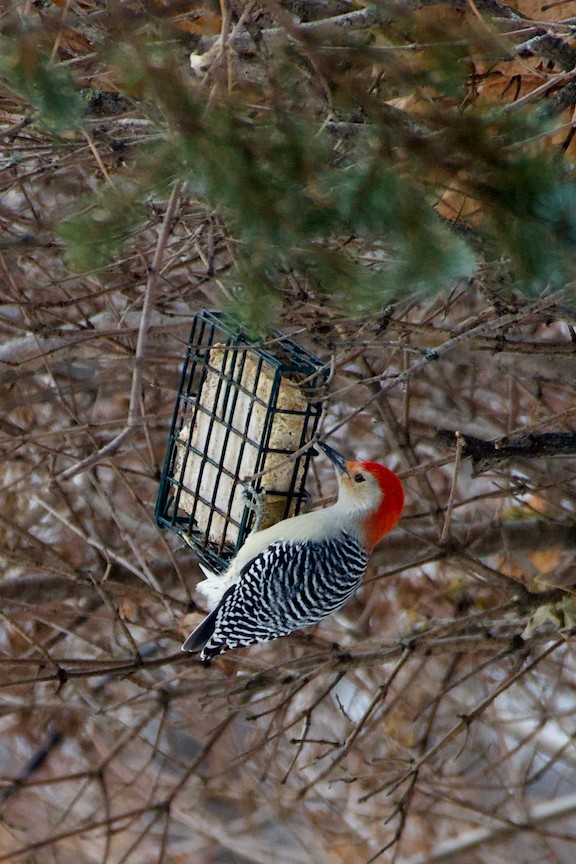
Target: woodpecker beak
{"x":337,"y":460}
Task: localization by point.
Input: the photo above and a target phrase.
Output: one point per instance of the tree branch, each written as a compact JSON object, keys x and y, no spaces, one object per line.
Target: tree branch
{"x":485,"y":454}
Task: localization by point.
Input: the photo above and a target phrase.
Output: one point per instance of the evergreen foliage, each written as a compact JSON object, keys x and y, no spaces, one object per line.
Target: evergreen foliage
{"x":49,"y":88}
{"x":303,"y":153}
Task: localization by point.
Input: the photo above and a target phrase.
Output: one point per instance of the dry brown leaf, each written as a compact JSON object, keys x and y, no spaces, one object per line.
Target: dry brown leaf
{"x":206,"y":24}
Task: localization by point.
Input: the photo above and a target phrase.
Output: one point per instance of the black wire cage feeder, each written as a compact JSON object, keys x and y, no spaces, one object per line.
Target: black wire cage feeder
{"x":243,"y":413}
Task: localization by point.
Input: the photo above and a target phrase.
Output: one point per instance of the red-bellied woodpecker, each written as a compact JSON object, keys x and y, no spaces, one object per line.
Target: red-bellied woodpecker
{"x":297,"y":572}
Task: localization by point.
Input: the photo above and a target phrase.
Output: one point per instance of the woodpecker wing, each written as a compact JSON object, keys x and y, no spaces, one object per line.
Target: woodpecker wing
{"x":287,"y":586}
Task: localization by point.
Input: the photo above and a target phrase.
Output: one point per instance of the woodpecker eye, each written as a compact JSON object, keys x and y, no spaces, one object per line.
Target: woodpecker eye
{"x":359,"y":478}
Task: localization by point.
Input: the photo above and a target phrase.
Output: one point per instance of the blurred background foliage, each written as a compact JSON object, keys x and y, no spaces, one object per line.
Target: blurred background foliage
{"x":319,"y":147}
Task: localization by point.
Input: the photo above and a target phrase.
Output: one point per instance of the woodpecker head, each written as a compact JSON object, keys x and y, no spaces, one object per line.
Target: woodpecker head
{"x":369,"y":493}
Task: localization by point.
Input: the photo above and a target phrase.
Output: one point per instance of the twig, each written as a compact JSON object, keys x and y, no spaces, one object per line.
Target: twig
{"x":145,"y":318}
{"x":451,"y":499}
{"x":550,"y":46}
{"x":148,"y":578}
{"x":485,"y":454}
{"x":468,"y":331}
{"x":377,"y":699}
{"x":565,"y":98}
{"x":34,"y":764}
{"x":359,"y":19}
{"x":81,"y":829}
{"x":458,"y":846}
{"x":403,"y":549}
{"x":466,"y":719}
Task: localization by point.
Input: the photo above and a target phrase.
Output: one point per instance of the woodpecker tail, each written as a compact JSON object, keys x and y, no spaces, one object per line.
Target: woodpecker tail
{"x":212,"y":587}
{"x":200,"y":636}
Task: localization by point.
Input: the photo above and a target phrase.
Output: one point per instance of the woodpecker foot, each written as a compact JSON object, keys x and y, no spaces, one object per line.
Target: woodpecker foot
{"x":255,"y":501}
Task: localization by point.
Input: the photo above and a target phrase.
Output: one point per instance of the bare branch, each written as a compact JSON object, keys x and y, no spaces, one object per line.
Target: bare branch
{"x":145,"y":318}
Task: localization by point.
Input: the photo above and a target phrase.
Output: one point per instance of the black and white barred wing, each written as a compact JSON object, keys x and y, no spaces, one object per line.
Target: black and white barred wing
{"x":285,"y":587}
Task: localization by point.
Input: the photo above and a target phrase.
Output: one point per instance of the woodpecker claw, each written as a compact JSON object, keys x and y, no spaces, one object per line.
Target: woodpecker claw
{"x":255,"y":501}
{"x":186,"y":538}
{"x":336,"y":458}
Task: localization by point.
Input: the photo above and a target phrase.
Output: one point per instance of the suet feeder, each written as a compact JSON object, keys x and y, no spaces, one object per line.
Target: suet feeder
{"x":244,"y":412}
